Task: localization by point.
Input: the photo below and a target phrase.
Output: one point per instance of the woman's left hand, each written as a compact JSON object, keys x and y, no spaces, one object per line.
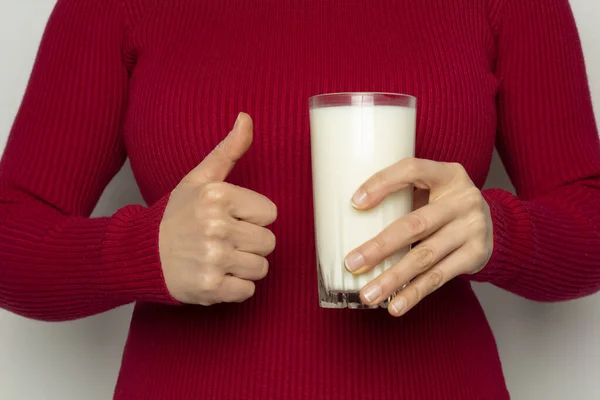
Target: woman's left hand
{"x":454,"y":229}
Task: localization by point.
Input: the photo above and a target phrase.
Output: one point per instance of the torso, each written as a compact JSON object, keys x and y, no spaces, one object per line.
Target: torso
{"x":266,"y":57}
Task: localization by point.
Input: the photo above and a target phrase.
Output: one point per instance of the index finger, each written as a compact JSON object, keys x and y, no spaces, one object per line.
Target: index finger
{"x":252,"y":207}
{"x":400,"y":234}
{"x":424,"y":174}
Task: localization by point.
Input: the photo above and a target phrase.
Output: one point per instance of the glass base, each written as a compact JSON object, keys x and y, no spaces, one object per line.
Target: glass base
{"x":335,"y":299}
{"x":345,"y":299}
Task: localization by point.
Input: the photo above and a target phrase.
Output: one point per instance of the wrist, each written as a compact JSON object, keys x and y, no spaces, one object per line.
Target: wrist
{"x":131,"y":249}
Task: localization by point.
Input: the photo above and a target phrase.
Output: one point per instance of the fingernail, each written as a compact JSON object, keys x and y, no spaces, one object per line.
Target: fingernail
{"x":360,"y":198}
{"x":354,"y":262}
{"x":371,"y":293}
{"x":398,"y":305}
{"x":237,"y":120}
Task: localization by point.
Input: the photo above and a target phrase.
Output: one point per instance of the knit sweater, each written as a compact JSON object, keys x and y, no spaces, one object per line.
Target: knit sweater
{"x":161,"y":82}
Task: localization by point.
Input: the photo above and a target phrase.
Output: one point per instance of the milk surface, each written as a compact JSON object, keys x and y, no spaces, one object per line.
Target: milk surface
{"x":349,"y":144}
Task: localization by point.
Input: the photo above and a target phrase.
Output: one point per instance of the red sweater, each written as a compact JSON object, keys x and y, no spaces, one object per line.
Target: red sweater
{"x":162,"y":81}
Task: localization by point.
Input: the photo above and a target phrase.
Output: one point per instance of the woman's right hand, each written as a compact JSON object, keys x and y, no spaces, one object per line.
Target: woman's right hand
{"x":213,"y":241}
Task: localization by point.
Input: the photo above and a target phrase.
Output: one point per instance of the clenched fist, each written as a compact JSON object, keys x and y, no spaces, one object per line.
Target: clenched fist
{"x":213,"y":241}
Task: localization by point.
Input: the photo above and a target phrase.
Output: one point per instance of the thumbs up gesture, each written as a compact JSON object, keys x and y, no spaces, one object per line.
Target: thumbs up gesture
{"x":213,"y":241}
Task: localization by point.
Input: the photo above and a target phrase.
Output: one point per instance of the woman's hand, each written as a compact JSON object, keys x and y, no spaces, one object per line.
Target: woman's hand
{"x":213,"y":241}
{"x":454,"y":230}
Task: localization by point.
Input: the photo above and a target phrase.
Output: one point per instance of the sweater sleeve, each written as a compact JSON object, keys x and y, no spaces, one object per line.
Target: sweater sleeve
{"x":66,"y":144}
{"x":547,"y":238}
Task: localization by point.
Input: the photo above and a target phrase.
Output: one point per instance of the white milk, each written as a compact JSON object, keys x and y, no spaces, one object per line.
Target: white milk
{"x":349,"y":144}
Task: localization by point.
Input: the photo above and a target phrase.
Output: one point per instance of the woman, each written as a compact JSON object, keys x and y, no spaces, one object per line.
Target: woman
{"x":160,"y":81}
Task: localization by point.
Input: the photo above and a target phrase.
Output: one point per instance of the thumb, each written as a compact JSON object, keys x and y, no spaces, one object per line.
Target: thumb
{"x":221,"y":160}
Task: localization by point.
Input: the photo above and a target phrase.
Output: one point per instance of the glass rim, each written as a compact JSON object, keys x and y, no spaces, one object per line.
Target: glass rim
{"x":349,"y":98}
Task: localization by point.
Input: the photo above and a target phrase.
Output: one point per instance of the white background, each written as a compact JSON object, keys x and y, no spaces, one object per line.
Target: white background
{"x":549,"y":351}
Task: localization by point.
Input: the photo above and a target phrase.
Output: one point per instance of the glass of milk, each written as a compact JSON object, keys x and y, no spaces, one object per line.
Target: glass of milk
{"x":354,"y":135}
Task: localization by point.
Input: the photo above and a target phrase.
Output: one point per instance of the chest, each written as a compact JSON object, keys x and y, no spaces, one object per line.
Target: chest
{"x":266,"y":57}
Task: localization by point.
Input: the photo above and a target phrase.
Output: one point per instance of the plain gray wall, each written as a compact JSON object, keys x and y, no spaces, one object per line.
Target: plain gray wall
{"x":549,"y":351}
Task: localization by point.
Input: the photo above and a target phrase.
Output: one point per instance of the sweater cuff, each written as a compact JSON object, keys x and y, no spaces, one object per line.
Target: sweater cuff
{"x":512,"y":237}
{"x":131,"y":250}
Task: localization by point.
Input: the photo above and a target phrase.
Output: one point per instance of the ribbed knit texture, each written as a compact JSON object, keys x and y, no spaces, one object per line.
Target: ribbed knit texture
{"x":162,"y":81}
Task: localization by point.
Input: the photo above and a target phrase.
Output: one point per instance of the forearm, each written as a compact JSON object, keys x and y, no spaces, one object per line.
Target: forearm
{"x":57,"y":267}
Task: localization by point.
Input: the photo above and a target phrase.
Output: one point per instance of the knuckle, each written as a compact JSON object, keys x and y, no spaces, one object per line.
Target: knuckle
{"x":380,"y":244}
{"x":474,"y":198}
{"x":479,"y":251}
{"x":213,"y":193}
{"x":416,"y":294}
{"x":411,"y":167}
{"x":210,"y":282}
{"x":216,"y":228}
{"x":435,"y":279}
{"x":477,"y":224}
{"x":416,"y":224}
{"x":457,"y":168}
{"x":215,"y":254}
{"x":410,"y":164}
{"x":424,"y":257}
{"x":376,"y":181}
{"x":395,"y":278}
